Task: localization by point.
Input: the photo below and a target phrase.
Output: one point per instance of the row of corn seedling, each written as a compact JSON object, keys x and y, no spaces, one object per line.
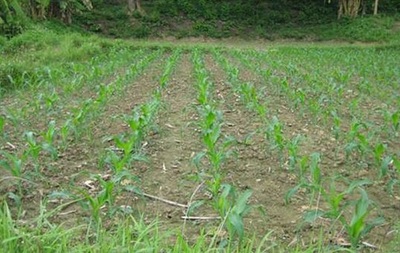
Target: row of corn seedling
{"x":311,"y":179}
{"x":46,"y":141}
{"x":231,"y":205}
{"x":128,"y":148}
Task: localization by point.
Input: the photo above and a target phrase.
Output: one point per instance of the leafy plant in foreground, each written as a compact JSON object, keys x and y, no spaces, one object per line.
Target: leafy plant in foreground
{"x":339,"y":202}
{"x":13,"y":164}
{"x":233,"y":206}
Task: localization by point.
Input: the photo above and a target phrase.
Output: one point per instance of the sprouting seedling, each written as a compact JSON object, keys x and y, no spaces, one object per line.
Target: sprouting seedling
{"x":379,"y":150}
{"x":386,"y":163}
{"x":392,"y":122}
{"x":13,"y":116}
{"x":313,"y":182}
{"x":33,"y":149}
{"x":169,"y":68}
{"x":355,"y":139}
{"x":120,"y":161}
{"x":103,"y":93}
{"x":216,"y":151}
{"x":65,"y":130}
{"x":49,"y":137}
{"x":300,"y":97}
{"x":274,"y":133}
{"x":203,"y":91}
{"x":249,"y":95}
{"x":234,"y":207}
{"x":14,"y":165}
{"x":315,"y":170}
{"x":233,"y":74}
{"x":51,"y":99}
{"x":293,"y":147}
{"x":359,"y":226}
{"x":336,"y":124}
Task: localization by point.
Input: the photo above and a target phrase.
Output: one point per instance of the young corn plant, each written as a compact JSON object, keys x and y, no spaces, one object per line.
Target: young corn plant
{"x":356,"y":140}
{"x":217,"y":146}
{"x":312,"y":181}
{"x":393,"y":121}
{"x":249,"y":95}
{"x":33,"y":150}
{"x":171,"y":63}
{"x":50,"y":100}
{"x":65,"y":132}
{"x":358,"y":225}
{"x":274,"y":133}
{"x":233,"y":207}
{"x":80,"y":117}
{"x":336,"y":124}
{"x":338,"y":204}
{"x":14,"y":165}
{"x":105,"y":197}
{"x":121,"y":161}
{"x":293,"y":149}
{"x":203,"y":85}
{"x":48,"y":144}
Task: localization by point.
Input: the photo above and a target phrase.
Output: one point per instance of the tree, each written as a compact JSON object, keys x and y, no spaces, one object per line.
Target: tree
{"x":349,"y":8}
{"x":135,"y":5}
{"x":376,"y":7}
{"x":12,"y":17}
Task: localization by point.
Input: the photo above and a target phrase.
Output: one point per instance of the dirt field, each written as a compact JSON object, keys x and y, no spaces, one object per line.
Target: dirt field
{"x":174,"y":140}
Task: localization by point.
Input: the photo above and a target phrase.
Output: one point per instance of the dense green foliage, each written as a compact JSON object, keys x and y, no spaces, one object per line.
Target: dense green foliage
{"x":307,"y":19}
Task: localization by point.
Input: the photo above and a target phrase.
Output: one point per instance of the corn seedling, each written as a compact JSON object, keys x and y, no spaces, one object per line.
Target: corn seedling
{"x":356,"y":140}
{"x":336,"y":124}
{"x":171,"y":63}
{"x":311,"y":182}
{"x":50,"y":100}
{"x":48,"y":140}
{"x":95,"y":203}
{"x":358,"y":225}
{"x":379,"y":151}
{"x":274,"y":133}
{"x":393,"y":121}
{"x":65,"y":131}
{"x":33,"y":150}
{"x":293,"y":148}
{"x":121,"y":161}
{"x":14,"y":165}
{"x":233,"y":206}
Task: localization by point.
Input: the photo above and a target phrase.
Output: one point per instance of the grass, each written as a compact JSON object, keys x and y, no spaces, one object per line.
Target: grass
{"x":82,"y":126}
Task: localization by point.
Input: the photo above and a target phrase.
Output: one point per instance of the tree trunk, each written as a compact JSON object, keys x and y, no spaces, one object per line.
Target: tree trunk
{"x":349,"y":8}
{"x":363,"y":7}
{"x":376,"y":7}
{"x":135,"y":5}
